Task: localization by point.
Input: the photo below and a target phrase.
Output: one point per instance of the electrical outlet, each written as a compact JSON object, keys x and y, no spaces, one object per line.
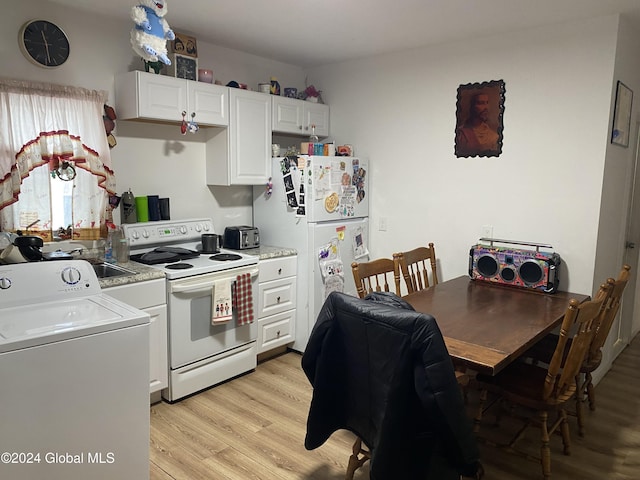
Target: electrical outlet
{"x":486,"y":231}
{"x":382,"y":224}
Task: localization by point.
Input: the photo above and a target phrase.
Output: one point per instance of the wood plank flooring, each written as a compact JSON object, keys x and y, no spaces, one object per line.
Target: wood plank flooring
{"x":253,"y":428}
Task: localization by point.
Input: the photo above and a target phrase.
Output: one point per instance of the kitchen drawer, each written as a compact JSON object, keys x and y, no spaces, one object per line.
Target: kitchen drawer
{"x":276,"y":330}
{"x":276,"y":296}
{"x":274,"y":268}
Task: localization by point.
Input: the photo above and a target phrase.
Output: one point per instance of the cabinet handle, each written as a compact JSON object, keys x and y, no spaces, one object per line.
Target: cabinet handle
{"x":278,"y":300}
{"x":300,"y":127}
{"x":279,"y":271}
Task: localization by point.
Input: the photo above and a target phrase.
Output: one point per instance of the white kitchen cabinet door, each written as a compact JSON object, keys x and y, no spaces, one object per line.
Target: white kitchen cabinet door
{"x":287,"y":115}
{"x":241,"y":154}
{"x":149,"y":296}
{"x":316,"y":114}
{"x":290,"y":115}
{"x":158,"y":366}
{"x":209,"y":102}
{"x":142,"y":95}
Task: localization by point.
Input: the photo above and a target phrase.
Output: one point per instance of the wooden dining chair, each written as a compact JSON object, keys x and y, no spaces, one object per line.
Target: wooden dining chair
{"x":415,"y":266}
{"x":361,"y":455}
{"x":375,"y":276}
{"x":543,"y":351}
{"x":546,"y":390}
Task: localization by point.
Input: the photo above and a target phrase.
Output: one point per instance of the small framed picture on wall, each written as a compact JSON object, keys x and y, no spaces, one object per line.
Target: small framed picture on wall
{"x":622,"y":115}
{"x":183,"y":66}
{"x":479,"y":119}
{"x":184,"y":45}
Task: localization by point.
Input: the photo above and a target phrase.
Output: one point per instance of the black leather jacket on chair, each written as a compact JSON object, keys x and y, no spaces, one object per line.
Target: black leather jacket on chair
{"x":382,"y":371}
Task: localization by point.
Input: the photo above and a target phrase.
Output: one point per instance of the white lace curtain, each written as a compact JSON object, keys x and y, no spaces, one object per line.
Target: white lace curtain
{"x":41,"y":126}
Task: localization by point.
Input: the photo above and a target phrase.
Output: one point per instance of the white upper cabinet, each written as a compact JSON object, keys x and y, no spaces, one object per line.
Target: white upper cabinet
{"x":290,"y":115}
{"x":241,"y":153}
{"x":143,"y":95}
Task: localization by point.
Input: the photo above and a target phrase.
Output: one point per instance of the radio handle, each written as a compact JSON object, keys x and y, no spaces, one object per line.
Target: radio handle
{"x":516,"y":242}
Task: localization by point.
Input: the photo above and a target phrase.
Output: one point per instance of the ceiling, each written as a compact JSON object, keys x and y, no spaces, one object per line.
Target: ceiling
{"x":312,"y":33}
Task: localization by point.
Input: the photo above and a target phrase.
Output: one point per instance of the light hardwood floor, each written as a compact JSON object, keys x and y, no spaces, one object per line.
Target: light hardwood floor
{"x":253,"y":427}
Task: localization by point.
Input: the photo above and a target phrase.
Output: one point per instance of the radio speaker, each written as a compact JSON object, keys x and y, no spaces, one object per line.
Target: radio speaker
{"x":516,"y":267}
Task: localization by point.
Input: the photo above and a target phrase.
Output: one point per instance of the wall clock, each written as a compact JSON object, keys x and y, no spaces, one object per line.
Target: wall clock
{"x":44,"y":43}
{"x":183,"y":66}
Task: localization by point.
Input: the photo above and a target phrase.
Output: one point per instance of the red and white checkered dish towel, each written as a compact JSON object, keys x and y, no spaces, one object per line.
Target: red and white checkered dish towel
{"x":243,"y":299}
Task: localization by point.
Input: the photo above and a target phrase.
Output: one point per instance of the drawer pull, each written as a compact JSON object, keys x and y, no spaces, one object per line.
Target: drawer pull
{"x":278,"y":333}
{"x":279,"y":271}
{"x":278,"y":299}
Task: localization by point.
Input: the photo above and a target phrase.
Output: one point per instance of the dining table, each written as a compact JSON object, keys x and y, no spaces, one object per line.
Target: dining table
{"x":486,"y":325}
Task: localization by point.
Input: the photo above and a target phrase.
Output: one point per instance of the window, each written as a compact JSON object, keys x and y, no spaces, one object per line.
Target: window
{"x":55,"y":167}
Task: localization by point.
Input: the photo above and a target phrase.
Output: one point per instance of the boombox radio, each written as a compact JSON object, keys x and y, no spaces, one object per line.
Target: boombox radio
{"x":518,"y":267}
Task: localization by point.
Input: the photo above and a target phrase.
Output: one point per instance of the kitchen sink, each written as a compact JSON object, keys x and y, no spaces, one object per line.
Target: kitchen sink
{"x":109,"y":270}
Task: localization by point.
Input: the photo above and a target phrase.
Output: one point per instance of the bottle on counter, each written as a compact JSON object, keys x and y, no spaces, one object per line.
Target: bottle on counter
{"x":108,"y":248}
{"x":122,"y":250}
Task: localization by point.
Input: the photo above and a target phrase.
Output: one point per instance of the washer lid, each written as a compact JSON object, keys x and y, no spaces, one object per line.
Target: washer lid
{"x":39,"y":324}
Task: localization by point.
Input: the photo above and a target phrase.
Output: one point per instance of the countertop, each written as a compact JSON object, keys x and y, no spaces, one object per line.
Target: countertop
{"x":142,"y":274}
{"x":265,"y":252}
{"x":145,"y":272}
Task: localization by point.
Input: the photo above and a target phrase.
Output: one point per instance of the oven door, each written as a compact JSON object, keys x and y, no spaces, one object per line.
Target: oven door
{"x":192,"y":337}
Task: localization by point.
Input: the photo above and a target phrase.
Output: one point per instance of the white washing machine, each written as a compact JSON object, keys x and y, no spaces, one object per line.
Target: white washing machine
{"x":74,"y":377}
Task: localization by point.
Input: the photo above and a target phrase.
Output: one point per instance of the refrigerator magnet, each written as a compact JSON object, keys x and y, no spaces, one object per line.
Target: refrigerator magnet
{"x":331,"y":202}
{"x":333,"y":283}
{"x":359,"y":247}
{"x":340,"y":231}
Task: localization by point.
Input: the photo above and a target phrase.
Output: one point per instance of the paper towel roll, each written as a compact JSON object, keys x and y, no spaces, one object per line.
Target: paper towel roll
{"x":142,"y":209}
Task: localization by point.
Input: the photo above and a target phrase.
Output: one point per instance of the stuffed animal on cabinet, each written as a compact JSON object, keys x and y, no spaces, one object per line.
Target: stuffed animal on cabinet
{"x":151,"y":32}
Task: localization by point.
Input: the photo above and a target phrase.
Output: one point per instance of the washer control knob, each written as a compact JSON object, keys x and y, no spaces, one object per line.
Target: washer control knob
{"x":70,"y":275}
{"x":5,"y":283}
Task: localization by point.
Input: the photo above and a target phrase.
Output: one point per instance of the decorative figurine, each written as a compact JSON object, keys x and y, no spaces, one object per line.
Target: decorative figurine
{"x":151,"y":32}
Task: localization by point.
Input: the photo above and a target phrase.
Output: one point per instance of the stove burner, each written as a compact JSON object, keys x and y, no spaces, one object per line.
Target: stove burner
{"x":179,"y":266}
{"x":225,"y":257}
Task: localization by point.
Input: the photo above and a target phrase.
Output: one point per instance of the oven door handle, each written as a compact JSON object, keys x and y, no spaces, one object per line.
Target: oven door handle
{"x":206,"y":285}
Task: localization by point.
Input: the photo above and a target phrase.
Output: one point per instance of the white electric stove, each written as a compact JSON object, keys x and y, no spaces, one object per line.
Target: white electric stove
{"x":202,"y":351}
{"x":179,"y":248}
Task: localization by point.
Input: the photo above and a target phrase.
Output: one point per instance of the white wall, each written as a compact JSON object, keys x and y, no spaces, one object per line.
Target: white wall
{"x":149,"y":159}
{"x":399,"y":110}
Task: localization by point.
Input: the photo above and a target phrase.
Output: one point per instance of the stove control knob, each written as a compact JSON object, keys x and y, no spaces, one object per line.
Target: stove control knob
{"x":198,"y":227}
{"x":206,"y":227}
{"x":145,"y":234}
{"x":183,"y":230}
{"x":70,"y":275}
{"x":135,"y":234}
{"x":5,"y":283}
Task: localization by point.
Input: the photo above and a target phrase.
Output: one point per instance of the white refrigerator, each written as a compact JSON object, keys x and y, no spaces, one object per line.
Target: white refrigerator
{"x":320,"y":207}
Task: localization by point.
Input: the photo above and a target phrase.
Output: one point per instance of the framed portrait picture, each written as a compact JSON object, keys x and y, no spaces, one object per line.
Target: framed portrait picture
{"x":622,"y":115}
{"x":184,"y":45}
{"x":183,"y":66}
{"x":479,"y":119}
